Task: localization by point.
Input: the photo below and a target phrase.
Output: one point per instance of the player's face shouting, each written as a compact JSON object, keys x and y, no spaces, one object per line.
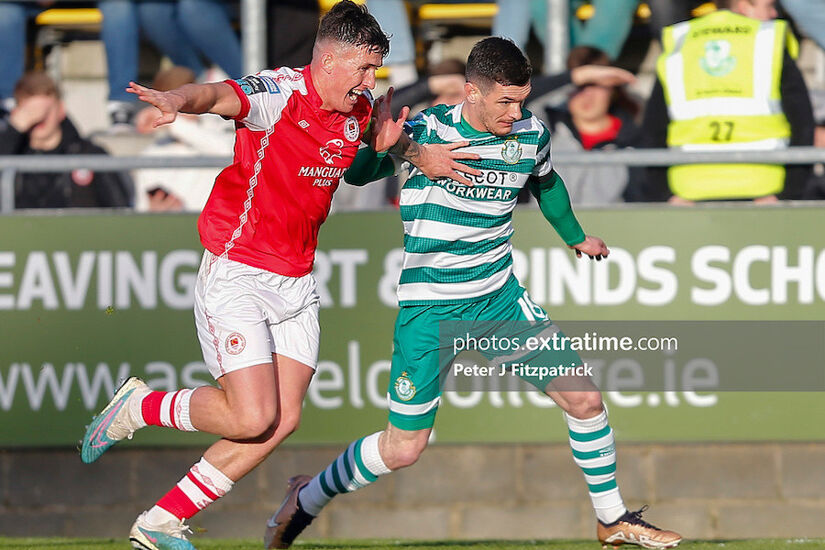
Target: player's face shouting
{"x":353,"y":71}
{"x":500,"y":107}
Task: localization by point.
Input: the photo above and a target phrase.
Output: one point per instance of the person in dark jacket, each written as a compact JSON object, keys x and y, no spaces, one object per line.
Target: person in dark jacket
{"x":597,"y":116}
{"x":38,"y":126}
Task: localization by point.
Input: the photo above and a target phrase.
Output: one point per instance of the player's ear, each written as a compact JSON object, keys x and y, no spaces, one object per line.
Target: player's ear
{"x":472,"y":92}
{"x":328,"y":61}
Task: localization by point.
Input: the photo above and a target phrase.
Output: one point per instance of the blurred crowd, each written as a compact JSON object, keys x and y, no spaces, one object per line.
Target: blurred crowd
{"x":700,"y":100}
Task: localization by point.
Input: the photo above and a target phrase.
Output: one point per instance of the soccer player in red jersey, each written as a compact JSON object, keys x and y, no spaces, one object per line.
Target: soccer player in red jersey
{"x":256,"y":306}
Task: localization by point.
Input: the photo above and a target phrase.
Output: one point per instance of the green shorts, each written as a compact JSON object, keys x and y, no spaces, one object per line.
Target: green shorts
{"x":420,"y":356}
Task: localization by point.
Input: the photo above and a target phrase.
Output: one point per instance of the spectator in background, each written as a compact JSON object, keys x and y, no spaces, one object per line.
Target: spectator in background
{"x":597,"y":117}
{"x":815,"y":187}
{"x":14,"y":18}
{"x":444,"y":84}
{"x":809,"y":15}
{"x":183,"y":30}
{"x":392,"y":16}
{"x":664,"y":13}
{"x":38,"y":126}
{"x":606,"y":29}
{"x":291,"y":27}
{"x":730,"y":84}
{"x":179,"y":189}
{"x":516,"y":18}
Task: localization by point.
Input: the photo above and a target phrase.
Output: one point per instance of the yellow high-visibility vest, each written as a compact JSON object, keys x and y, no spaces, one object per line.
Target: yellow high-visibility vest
{"x":721,"y":76}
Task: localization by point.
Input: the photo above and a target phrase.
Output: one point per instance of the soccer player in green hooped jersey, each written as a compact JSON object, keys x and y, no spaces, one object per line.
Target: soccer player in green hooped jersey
{"x":458,"y":266}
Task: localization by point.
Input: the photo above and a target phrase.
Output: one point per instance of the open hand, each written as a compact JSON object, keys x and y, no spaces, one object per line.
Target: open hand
{"x":601,"y":75}
{"x":594,"y":247}
{"x":442,"y":161}
{"x":385,"y":130}
{"x":168,"y":103}
{"x":30,"y":112}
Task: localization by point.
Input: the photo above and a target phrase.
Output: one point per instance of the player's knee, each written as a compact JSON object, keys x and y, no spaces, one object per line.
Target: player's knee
{"x":586,"y":405}
{"x":288,"y":423}
{"x":254,"y":425}
{"x":404,"y":455}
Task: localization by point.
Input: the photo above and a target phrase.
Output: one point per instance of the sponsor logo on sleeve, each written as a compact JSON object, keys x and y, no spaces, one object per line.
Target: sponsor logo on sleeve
{"x":258,"y":85}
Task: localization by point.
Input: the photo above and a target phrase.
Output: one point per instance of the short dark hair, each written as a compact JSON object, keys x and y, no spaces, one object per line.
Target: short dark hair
{"x":349,"y":23}
{"x":586,"y":55}
{"x":35,"y":83}
{"x":497,"y":59}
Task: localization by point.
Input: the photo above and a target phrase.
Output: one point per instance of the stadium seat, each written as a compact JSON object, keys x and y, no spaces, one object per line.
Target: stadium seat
{"x":457,"y":11}
{"x":59,"y":17}
{"x":326,"y":5}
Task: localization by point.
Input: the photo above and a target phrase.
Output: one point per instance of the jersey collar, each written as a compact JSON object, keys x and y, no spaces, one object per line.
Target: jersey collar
{"x":312,"y":94}
{"x":463,"y":126}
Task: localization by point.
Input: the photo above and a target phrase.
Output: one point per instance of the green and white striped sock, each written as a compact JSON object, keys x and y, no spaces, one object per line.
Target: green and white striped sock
{"x":357,"y":467}
{"x":594,"y":450}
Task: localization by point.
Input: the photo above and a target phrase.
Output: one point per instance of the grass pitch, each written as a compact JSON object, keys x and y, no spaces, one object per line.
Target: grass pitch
{"x":253,"y":544}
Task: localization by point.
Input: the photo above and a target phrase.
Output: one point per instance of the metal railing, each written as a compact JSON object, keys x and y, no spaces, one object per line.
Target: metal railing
{"x":11,"y":165}
{"x":253,"y":35}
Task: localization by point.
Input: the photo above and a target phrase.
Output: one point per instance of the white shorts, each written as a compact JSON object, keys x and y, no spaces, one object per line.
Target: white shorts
{"x":244,"y":314}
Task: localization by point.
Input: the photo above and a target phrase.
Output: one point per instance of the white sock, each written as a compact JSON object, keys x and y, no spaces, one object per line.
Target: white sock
{"x":594,"y":450}
{"x":358,"y":466}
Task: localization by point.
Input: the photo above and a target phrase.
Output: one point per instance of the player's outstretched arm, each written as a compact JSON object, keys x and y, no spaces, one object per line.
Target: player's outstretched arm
{"x":218,"y":98}
{"x":554,"y":202}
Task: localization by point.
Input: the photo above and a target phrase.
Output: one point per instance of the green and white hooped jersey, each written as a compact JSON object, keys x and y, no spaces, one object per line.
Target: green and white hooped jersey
{"x":457,"y":238}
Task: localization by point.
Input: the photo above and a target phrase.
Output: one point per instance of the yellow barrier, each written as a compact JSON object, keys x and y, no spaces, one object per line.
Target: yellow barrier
{"x":326,"y":5}
{"x":457,"y":11}
{"x":66,"y":17}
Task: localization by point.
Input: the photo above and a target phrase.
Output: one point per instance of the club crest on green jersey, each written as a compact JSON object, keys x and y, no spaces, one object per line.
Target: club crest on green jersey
{"x":404,"y":388}
{"x":511,"y":151}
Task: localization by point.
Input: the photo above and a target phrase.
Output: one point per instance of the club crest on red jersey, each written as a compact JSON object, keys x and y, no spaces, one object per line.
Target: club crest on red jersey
{"x":351,"y":129}
{"x":332,"y":150}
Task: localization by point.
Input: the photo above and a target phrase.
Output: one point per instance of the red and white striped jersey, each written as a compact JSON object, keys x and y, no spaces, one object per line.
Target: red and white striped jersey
{"x":267,"y":206}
